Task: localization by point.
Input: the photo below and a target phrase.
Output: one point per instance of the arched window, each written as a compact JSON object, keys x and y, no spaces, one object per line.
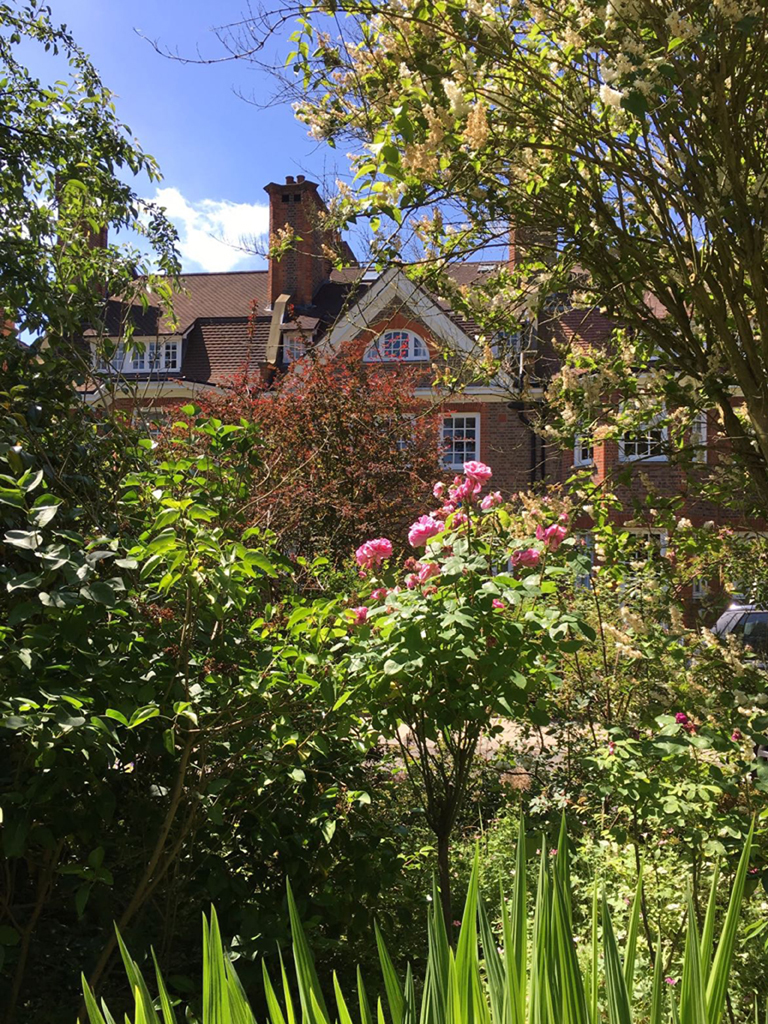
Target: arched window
{"x":397,"y":346}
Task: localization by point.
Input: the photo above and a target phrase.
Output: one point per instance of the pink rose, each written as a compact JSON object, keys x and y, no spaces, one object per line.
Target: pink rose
{"x":490,"y":500}
{"x":459,"y":519}
{"x":736,"y":735}
{"x":467,"y":490}
{"x":373,"y":552}
{"x":424,"y":528}
{"x":361,"y":614}
{"x":478,"y":472}
{"x":427,"y":570}
{"x":552,"y":536}
{"x":564,"y":518}
{"x":498,"y":603}
{"x":379,"y":594}
{"x":438,"y":489}
{"x":412,"y":581}
{"x":528,"y":557}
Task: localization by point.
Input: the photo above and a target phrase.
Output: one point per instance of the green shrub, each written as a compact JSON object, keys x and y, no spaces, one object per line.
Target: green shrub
{"x":533,"y":977}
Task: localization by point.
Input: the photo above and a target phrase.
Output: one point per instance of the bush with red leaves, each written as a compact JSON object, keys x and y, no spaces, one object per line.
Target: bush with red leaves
{"x":348,"y":453}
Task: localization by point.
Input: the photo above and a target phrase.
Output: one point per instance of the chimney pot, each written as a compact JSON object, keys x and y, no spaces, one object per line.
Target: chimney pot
{"x":299,"y":178}
{"x":289,"y":179}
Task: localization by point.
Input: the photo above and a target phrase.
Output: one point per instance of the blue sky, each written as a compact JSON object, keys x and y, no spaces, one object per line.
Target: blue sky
{"x":216,"y":151}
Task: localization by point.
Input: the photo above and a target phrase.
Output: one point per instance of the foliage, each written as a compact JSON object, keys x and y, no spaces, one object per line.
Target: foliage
{"x":547,"y":984}
{"x":65,"y":155}
{"x":160,"y":709}
{"x":466,"y":643}
{"x":345,"y":451}
{"x":623,"y":142}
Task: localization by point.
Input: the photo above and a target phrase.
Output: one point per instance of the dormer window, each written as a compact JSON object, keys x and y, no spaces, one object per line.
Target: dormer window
{"x":294,"y":347}
{"x":397,"y":347}
{"x":143,"y":357}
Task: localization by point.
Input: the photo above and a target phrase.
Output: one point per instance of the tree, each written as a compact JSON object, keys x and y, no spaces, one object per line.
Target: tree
{"x":64,"y":152}
{"x":346,"y":450}
{"x":624,"y":141}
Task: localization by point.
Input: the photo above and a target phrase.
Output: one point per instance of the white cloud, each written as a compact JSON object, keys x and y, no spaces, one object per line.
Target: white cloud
{"x":212,"y":232}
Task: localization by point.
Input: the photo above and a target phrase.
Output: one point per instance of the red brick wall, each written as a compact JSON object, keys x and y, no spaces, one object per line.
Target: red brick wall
{"x":302,"y":269}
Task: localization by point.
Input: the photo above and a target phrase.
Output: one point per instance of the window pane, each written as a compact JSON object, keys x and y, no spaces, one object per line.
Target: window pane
{"x":395,"y":345}
{"x":460,"y":440}
{"x":419,"y":349}
{"x":171,"y":353}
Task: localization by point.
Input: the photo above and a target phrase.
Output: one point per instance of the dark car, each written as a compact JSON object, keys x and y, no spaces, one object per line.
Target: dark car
{"x":749,"y":623}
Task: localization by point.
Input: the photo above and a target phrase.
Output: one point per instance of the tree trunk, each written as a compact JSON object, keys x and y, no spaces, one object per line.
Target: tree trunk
{"x":444,"y":877}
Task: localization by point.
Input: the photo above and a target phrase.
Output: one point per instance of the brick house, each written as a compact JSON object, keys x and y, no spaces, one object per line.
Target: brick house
{"x":261,"y":321}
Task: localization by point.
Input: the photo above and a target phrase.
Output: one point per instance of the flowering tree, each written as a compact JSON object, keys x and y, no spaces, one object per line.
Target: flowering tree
{"x":345,"y":449}
{"x":624,"y":140}
{"x":469,"y":635}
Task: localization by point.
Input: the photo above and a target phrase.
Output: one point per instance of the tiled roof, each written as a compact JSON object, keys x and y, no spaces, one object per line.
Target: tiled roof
{"x":219,"y":348}
{"x":230,"y":294}
{"x":226,"y":319}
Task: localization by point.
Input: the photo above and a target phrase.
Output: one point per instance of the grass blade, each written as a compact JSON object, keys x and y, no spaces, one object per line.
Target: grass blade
{"x":392,"y":984}
{"x":594,"y":977}
{"x":717,"y":983}
{"x":693,"y":1003}
{"x":169,"y":1016}
{"x":362,"y":999}
{"x":630,"y":954}
{"x":657,"y":988}
{"x":273,"y":1005}
{"x":708,"y":933}
{"x":313,"y":1005}
{"x":617,"y":998}
{"x":571,"y":987}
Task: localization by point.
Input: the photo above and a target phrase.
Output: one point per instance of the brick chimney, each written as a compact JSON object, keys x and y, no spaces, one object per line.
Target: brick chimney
{"x":303,"y":267}
{"x":529,"y":241}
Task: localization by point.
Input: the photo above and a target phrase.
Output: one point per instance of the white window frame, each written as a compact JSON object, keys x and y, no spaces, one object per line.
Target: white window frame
{"x":699,"y":589}
{"x":294,"y":347}
{"x":700,"y":436}
{"x":418,"y":350}
{"x":153,"y":357}
{"x":647,"y":534}
{"x":645,"y":432}
{"x":579,"y":459}
{"x":167,"y":348}
{"x":466,"y":457}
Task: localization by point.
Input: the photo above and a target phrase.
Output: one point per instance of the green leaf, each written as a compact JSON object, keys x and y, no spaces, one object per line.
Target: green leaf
{"x":142,"y":715}
{"x":29,"y":539}
{"x":43,"y":515}
{"x":9,"y":936}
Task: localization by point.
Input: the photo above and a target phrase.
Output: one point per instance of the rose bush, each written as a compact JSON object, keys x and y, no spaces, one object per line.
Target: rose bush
{"x":445,"y":647}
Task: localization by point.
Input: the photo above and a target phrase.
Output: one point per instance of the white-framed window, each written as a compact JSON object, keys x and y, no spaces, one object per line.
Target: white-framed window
{"x":645,"y":445}
{"x":645,"y":546}
{"x":583,"y":450}
{"x":699,"y":437}
{"x":143,"y":357}
{"x":397,"y":347}
{"x":461,"y":439}
{"x":700,"y":589}
{"x":294,"y":347}
{"x":171,"y":355}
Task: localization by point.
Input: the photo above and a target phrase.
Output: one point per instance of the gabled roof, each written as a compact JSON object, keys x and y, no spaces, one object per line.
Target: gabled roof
{"x":394,"y":287}
{"x":231,"y":294}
